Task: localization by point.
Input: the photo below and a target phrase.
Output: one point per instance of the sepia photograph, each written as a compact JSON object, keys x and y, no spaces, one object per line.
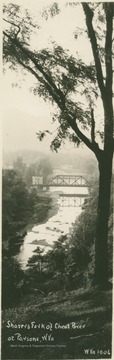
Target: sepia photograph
{"x":57,"y":180}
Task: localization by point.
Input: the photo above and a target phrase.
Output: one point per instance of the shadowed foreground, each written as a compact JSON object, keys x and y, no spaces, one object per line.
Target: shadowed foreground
{"x":71,"y":325}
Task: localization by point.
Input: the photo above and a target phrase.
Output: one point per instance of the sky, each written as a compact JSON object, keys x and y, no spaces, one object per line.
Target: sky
{"x":23,"y":113}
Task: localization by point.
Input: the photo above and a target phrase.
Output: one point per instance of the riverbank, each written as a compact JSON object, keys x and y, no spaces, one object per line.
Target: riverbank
{"x":52,"y":210}
{"x":45,"y":234}
{"x":44,"y":209}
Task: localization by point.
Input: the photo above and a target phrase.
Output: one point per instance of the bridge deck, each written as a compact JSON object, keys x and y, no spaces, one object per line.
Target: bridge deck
{"x":67,"y":185}
{"x":74,"y":195}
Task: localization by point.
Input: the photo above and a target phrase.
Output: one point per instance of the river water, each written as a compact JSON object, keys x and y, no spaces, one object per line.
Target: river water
{"x":44,"y":235}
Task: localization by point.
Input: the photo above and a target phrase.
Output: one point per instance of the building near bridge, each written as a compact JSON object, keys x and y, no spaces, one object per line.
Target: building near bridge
{"x":37,"y":180}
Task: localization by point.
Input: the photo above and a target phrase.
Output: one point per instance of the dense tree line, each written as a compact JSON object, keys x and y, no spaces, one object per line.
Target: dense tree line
{"x":42,"y":168}
{"x":20,"y":208}
{"x":17,"y":205}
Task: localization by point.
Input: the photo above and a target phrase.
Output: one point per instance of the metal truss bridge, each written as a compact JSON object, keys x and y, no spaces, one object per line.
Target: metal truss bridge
{"x":72,"y":200}
{"x":65,"y":198}
{"x":68,"y":180}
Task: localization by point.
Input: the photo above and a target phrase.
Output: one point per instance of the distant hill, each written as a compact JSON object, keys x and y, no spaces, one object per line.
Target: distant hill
{"x":78,"y":160}
{"x":28,"y":156}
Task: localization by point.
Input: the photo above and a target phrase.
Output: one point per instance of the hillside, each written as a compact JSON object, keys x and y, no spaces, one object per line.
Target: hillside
{"x":68,"y":326}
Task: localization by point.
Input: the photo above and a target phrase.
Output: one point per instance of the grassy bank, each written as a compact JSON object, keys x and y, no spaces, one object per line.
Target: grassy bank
{"x":73,"y":323}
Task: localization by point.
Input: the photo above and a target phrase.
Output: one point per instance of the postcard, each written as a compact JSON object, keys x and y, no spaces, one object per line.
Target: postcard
{"x":57,"y":180}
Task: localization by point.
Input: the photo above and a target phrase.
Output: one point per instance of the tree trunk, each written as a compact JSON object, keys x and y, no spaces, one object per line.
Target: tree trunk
{"x":101,"y":242}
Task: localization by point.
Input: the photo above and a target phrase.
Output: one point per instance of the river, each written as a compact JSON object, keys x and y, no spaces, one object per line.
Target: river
{"x":44,"y":235}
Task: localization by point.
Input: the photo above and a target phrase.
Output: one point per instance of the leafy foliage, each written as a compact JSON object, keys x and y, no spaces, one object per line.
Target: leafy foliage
{"x":16,"y":205}
{"x":60,"y":76}
{"x":51,"y":10}
{"x":13,"y":281}
{"x":20,"y":208}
